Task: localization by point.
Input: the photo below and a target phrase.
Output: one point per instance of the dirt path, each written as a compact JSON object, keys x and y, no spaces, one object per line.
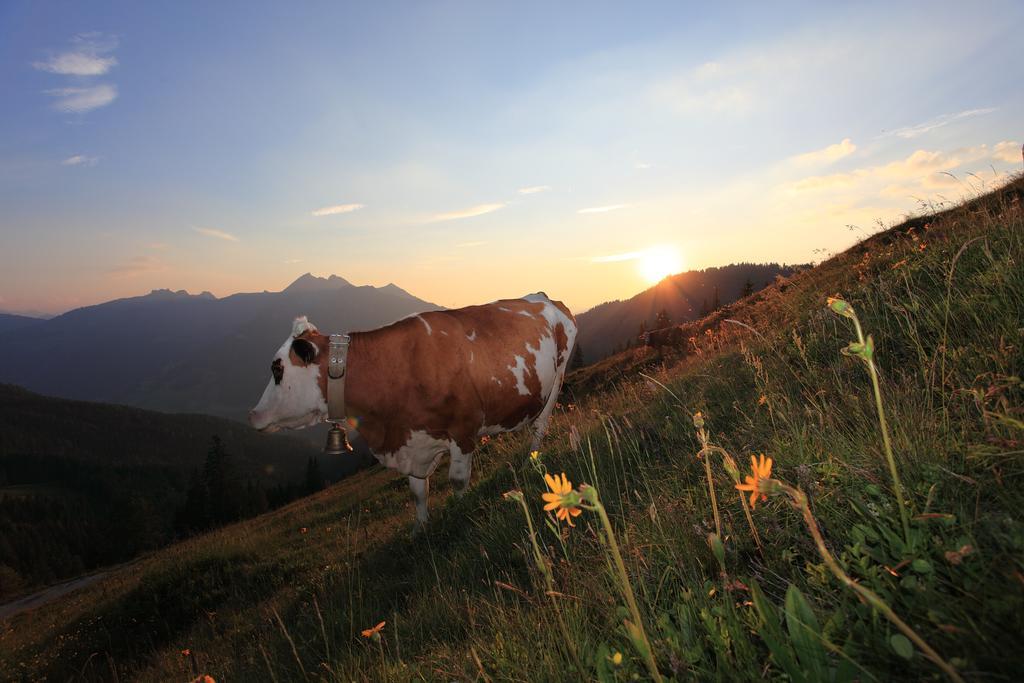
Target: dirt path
{"x":52,"y":593}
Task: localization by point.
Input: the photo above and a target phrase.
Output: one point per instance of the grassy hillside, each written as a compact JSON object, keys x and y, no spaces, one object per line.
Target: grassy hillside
{"x":285,"y":596}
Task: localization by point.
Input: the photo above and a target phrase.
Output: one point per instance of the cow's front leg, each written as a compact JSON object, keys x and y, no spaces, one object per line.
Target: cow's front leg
{"x":459,"y":469}
{"x":420,"y":488}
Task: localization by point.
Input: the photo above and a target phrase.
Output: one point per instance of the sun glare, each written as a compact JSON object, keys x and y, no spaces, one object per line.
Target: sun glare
{"x":658,"y":262}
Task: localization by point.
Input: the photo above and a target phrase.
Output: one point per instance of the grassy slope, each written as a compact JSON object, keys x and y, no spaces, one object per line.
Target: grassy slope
{"x":264,"y":599}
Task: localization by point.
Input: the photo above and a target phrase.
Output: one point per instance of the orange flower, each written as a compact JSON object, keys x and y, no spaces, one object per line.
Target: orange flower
{"x":371,"y":632}
{"x":761,"y":401}
{"x":761,"y":470}
{"x":186,"y":652}
{"x":560,"y":487}
{"x":303,"y":530}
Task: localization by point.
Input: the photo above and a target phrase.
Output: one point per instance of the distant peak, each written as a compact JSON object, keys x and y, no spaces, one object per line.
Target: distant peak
{"x":311,"y":283}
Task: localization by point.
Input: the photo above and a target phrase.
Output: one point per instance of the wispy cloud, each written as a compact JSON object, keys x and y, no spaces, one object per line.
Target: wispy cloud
{"x":80,"y":160}
{"x":612,"y":258}
{"x":828,"y":155}
{"x":291,"y":261}
{"x":603,"y":209}
{"x":138,"y":265}
{"x":466,"y":245}
{"x":471,"y":212}
{"x":82,"y":99}
{"x":938,"y":122}
{"x":337,"y":208}
{"x":218,"y":234}
{"x":533,"y":190}
{"x":85,"y":58}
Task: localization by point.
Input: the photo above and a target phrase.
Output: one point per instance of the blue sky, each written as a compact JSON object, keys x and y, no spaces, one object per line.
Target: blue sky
{"x":472,"y":151}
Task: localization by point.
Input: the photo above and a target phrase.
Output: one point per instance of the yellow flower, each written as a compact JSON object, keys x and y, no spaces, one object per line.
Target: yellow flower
{"x":560,"y":488}
{"x":534,"y":455}
{"x":761,"y":470}
{"x":371,"y":632}
{"x":616,"y":659}
{"x":761,"y":401}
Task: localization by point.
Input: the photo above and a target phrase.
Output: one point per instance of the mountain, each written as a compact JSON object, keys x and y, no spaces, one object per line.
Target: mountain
{"x":686,"y":296}
{"x":10,"y":322}
{"x":87,"y":484}
{"x":175,"y":351}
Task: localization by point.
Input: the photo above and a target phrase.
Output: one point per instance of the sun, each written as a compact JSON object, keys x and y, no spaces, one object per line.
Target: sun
{"x":658,"y":262}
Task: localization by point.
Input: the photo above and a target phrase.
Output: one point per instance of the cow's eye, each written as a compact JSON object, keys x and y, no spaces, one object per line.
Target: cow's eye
{"x":277,"y":370}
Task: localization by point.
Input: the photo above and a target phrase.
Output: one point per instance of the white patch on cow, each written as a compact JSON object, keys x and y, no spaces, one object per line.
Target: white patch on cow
{"x":502,"y":308}
{"x":294,"y":403}
{"x":418,"y":457}
{"x":301,"y":325}
{"x":492,"y":430}
{"x":526,"y":313}
{"x":471,"y":356}
{"x":471,"y":336}
{"x":519,"y":372}
{"x":424,"y":321}
{"x":444,"y":333}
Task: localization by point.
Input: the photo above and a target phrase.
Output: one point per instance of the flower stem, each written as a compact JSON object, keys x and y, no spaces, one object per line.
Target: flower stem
{"x":545,"y":570}
{"x":897,"y":485}
{"x":627,"y":591}
{"x":711,"y":490}
{"x":799,"y":499}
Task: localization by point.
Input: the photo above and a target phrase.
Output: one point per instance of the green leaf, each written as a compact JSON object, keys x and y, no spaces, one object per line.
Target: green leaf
{"x":921,"y":566}
{"x":901,"y":645}
{"x":805,"y":633}
{"x":772,"y":635}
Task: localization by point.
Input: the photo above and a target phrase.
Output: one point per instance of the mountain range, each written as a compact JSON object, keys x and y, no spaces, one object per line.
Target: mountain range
{"x":180,"y":352}
{"x":683,"y":297}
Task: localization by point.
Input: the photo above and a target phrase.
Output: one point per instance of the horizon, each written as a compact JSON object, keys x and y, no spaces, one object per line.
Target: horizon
{"x":468,"y":154}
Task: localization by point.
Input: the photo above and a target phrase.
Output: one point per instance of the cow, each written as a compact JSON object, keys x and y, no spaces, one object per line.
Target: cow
{"x":430,"y":384}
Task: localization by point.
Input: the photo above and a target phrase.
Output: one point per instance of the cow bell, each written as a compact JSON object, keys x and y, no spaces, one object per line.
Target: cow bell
{"x":337,"y":441}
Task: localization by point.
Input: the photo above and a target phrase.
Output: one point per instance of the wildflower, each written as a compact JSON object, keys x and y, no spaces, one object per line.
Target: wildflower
{"x":562,"y":498}
{"x":616,"y":659}
{"x":698,"y":420}
{"x":761,"y":401}
{"x":205,"y":678}
{"x":186,"y":652}
{"x":303,"y":530}
{"x":484,"y":440}
{"x":762,"y":470}
{"x":375,"y":631}
{"x":534,"y":455}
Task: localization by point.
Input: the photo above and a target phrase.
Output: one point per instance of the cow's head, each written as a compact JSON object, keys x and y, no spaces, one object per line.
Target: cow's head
{"x":294,"y":396}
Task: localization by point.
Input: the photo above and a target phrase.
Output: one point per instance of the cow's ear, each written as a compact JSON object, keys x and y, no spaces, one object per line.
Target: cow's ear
{"x":305,"y":350}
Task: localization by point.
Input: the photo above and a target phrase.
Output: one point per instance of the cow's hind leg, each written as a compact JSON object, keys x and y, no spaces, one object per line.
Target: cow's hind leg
{"x":459,"y":469}
{"x":420,"y":488}
{"x":540,"y":425}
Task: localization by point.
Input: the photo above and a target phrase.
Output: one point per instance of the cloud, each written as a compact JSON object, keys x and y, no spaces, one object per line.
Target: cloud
{"x":466,"y":245}
{"x":80,"y":160}
{"x":138,"y":265}
{"x":533,"y":190}
{"x":86,"y":58}
{"x":612,"y":258}
{"x":916,"y":167}
{"x":337,"y":208}
{"x":1009,"y":151}
{"x":219,"y":234}
{"x":83,"y":99}
{"x":603,"y":209}
{"x":471,"y":212}
{"x":938,"y":122}
{"x":828,"y":155}
{"x":290,"y":261}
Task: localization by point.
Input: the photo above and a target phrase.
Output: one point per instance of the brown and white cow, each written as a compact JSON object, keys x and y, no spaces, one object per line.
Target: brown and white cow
{"x":430,"y":384}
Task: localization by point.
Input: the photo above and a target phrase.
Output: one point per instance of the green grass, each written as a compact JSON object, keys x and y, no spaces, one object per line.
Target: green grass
{"x":263,"y":600}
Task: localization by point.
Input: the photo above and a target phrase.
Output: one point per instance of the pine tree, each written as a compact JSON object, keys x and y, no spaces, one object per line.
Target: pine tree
{"x":577,"y":361}
{"x":314,"y":478}
{"x":748,"y":287}
{"x":718,"y":302}
{"x":222,"y":486}
{"x":663,"y":320}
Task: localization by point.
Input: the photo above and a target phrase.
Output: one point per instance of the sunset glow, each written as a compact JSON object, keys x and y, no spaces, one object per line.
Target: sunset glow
{"x":658,"y":263}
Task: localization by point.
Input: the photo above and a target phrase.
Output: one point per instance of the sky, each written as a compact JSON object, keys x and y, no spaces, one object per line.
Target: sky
{"x":471,"y":151}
